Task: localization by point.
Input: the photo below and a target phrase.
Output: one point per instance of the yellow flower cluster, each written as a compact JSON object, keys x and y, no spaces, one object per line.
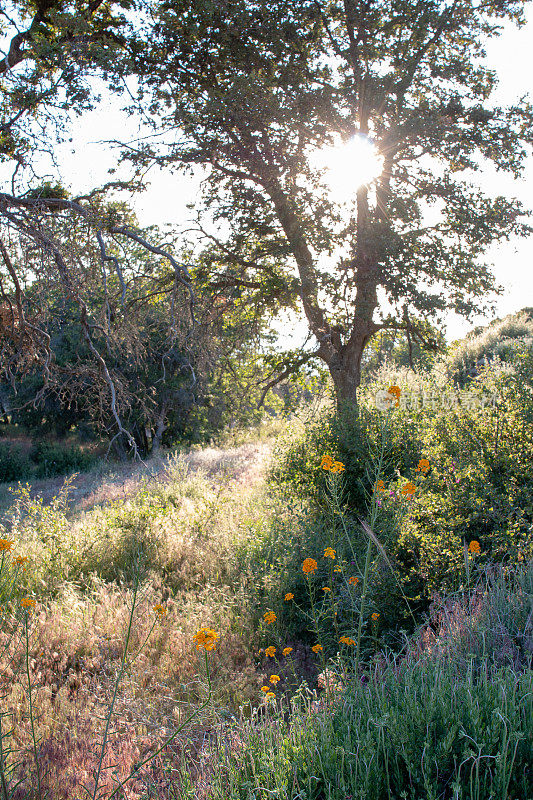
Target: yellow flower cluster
{"x":329,"y":552}
{"x":380,"y":486}
{"x":270,"y":651}
{"x":347,"y":640}
{"x":27,"y":603}
{"x":160,"y":609}
{"x":409,"y":489}
{"x":330,"y":465}
{"x":206,"y":638}
{"x":316,"y":648}
{"x":5,"y":545}
{"x":274,"y":679}
{"x":286,"y":651}
{"x":269,"y":617}
{"x":309,"y":566}
{"x":474,"y":547}
{"x":353,"y":580}
{"x":375,"y":616}
{"x":423,"y":466}
{"x":326,"y":589}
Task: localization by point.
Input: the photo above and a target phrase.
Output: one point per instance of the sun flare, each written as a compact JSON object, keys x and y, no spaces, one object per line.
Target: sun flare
{"x":347,"y":166}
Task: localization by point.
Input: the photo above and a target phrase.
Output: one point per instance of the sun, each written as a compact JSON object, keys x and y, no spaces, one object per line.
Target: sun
{"x":347,"y":166}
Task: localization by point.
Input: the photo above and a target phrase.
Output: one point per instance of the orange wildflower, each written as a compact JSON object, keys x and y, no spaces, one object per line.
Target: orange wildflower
{"x":396,"y":391}
{"x":327,"y":462}
{"x":309,"y":565}
{"x":206,"y":638}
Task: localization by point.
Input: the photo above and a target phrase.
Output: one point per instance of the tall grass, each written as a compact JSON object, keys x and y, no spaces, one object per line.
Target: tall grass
{"x":446,"y":724}
{"x":104,"y":686}
{"x":108,"y":655}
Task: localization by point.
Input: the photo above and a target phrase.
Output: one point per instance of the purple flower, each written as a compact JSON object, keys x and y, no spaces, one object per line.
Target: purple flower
{"x":378,"y":503}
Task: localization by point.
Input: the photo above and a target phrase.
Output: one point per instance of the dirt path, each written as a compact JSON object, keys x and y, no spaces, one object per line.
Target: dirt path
{"x":244,"y":464}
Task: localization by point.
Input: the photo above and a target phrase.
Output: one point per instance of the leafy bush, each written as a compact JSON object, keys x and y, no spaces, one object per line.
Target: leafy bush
{"x":52,"y":459}
{"x":14,"y":463}
{"x":479,"y":488}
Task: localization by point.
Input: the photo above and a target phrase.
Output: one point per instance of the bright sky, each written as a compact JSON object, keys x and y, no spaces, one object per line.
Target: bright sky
{"x":86,"y":160}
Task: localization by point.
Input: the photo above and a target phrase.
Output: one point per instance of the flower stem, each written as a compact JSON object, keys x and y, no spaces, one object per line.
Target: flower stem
{"x":30,"y":700}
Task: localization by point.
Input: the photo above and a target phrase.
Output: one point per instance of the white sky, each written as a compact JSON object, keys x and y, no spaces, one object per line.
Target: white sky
{"x":85,"y":162}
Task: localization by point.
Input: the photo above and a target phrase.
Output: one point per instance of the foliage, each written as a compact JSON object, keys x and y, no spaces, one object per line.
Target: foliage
{"x":448,"y":717}
{"x":502,"y":340}
{"x":256,"y":89}
{"x":52,"y":459}
{"x":392,"y":348}
{"x":400,"y":737}
{"x":168,"y":387}
{"x":14,"y":463}
{"x":478,"y":488}
{"x":402,"y":725}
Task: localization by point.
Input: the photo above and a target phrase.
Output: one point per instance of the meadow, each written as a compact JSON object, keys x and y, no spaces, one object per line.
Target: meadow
{"x":334,"y":607}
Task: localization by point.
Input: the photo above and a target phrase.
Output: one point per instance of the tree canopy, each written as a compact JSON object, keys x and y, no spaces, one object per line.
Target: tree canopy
{"x":249,"y":90}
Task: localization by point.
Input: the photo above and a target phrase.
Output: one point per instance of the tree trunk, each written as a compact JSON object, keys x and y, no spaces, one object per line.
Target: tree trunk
{"x":345,"y":371}
{"x":120,"y":450}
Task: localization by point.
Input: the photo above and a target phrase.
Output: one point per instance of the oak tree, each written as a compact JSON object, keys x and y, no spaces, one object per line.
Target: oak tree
{"x":250,"y":89}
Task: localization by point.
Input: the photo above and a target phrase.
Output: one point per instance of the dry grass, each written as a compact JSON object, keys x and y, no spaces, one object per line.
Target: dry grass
{"x":194,"y":515}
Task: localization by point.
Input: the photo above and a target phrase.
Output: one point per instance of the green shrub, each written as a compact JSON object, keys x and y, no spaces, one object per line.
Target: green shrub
{"x":479,"y":488}
{"x":14,"y":463}
{"x":503,"y":340}
{"x":53,"y":459}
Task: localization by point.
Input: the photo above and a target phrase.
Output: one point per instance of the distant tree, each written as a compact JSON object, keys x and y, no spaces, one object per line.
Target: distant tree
{"x":396,"y":348}
{"x":58,"y":251}
{"x":253,"y":88}
{"x":169,"y":380}
{"x":97,"y":317}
